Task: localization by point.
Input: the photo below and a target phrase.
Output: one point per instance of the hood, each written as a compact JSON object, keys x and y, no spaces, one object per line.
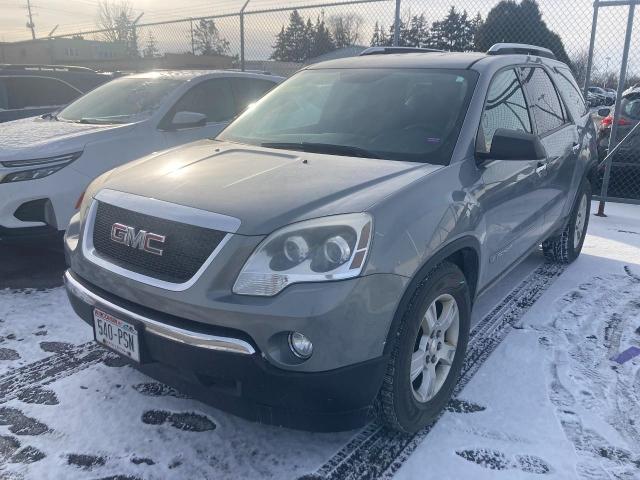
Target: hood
{"x":37,"y":138}
{"x":264,"y":188}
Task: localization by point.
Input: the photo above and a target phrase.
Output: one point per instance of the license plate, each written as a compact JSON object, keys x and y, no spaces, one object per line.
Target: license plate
{"x":116,"y":334}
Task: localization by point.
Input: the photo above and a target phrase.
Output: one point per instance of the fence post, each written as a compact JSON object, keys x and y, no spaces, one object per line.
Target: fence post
{"x":193,"y":48}
{"x":242,"y":34}
{"x":396,"y":28}
{"x":616,"y":114}
{"x":592,"y":44}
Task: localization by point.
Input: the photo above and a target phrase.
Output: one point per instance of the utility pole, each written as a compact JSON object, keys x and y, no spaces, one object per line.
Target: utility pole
{"x":30,"y":24}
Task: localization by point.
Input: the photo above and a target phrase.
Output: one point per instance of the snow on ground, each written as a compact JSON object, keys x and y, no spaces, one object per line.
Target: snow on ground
{"x":34,"y":324}
{"x":548,"y":402}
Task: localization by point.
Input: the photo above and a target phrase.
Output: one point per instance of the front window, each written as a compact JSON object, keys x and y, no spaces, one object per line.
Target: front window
{"x":123,"y":100}
{"x":410,"y":114}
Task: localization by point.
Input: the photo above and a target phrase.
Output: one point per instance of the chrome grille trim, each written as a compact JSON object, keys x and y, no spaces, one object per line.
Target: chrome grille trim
{"x":163,"y":210}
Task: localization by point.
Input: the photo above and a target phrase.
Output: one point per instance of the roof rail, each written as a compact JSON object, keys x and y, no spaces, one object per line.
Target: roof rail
{"x":45,"y":68}
{"x":521,"y":49}
{"x":388,"y":50}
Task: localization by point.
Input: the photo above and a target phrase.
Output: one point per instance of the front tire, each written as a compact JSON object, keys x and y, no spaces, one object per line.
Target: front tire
{"x":428,"y":352}
{"x":566,"y":247}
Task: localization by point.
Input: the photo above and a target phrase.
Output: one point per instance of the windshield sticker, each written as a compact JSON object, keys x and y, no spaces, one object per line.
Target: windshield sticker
{"x":433,"y":140}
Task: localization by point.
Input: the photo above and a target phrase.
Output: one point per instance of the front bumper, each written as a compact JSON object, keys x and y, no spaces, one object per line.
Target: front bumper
{"x":225,"y":368}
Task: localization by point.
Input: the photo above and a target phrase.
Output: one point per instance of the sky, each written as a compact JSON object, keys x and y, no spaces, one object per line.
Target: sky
{"x":571,"y":19}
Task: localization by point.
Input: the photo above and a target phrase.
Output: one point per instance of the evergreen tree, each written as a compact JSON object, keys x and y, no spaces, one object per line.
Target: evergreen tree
{"x":207,"y":39}
{"x":379,"y":37}
{"x":151,"y":48}
{"x":520,"y":23}
{"x":299,"y":41}
{"x":322,"y":39}
{"x":455,"y":32}
{"x":417,"y":35}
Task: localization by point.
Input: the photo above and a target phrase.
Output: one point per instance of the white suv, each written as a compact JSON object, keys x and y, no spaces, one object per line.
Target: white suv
{"x":47,"y":162}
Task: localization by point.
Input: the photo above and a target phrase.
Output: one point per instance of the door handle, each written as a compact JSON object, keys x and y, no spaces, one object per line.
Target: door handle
{"x":541,"y":167}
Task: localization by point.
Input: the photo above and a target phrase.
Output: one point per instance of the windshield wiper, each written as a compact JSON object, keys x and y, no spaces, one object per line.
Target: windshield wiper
{"x":98,"y":121}
{"x":50,"y":116}
{"x":329,"y":148}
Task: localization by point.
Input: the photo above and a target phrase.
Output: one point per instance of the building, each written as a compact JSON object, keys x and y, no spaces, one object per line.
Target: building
{"x":61,"y":51}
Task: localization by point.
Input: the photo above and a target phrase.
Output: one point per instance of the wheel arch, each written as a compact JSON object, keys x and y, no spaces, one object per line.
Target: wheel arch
{"x":464,"y":253}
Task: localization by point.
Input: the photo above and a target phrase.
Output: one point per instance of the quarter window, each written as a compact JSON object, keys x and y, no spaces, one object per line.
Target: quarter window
{"x":546,"y":105}
{"x":571,"y":92}
{"x":506,"y":107}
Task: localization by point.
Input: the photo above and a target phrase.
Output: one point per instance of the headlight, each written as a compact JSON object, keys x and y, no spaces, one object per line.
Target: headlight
{"x":323,"y":249}
{"x":47,"y":166}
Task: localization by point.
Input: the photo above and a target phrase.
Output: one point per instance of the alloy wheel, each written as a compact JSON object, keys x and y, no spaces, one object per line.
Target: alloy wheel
{"x":435,"y":348}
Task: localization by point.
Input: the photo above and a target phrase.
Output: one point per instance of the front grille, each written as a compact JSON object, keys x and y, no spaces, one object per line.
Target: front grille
{"x":185,"y":249}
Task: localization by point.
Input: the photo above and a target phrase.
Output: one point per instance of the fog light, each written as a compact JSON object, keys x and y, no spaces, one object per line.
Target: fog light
{"x":300,"y":345}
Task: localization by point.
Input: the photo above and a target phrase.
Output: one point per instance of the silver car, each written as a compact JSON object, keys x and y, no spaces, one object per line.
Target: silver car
{"x":317,"y":262}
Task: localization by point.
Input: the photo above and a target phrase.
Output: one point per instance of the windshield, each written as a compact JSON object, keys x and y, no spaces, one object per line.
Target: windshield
{"x":123,"y":100}
{"x":409,"y":114}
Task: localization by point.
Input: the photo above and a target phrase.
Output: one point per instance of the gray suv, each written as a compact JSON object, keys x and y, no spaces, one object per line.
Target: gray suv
{"x":316,"y":263}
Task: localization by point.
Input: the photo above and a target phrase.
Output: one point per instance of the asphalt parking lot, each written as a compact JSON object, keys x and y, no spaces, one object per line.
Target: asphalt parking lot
{"x":33,"y":266}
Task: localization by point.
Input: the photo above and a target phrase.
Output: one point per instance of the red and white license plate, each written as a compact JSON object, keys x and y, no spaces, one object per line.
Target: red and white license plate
{"x":116,"y":334}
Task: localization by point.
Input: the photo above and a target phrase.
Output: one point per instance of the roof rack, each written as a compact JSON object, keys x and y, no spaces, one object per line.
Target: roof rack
{"x":388,"y":50}
{"x":520,"y":49}
{"x":45,"y":68}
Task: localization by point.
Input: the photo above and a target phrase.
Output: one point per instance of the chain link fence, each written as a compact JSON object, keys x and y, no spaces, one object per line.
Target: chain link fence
{"x":283,"y":39}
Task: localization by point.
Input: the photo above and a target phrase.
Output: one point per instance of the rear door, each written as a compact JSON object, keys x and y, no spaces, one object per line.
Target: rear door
{"x":559,"y":135}
{"x":509,"y":193}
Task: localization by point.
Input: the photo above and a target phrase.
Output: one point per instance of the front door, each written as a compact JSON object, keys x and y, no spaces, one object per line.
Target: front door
{"x":509,"y":192}
{"x":213,"y":98}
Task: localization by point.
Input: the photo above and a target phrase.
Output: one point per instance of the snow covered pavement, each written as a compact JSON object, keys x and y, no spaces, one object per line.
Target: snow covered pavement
{"x":540,"y":396}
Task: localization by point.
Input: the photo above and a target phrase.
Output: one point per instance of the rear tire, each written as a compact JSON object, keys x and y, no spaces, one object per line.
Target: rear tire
{"x":428,"y":352}
{"x":566,"y":247}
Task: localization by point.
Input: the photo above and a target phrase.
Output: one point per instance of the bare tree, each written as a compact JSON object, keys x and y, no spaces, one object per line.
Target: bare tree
{"x":345,"y":29}
{"x":116,"y":19}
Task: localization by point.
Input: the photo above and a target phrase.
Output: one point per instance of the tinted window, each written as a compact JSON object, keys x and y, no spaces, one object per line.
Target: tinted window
{"x":24,"y":92}
{"x":546,"y":106}
{"x":396,"y":114}
{"x":505,"y":108}
{"x":248,"y":90}
{"x":631,"y":106}
{"x":212,"y":98}
{"x":572,"y":94}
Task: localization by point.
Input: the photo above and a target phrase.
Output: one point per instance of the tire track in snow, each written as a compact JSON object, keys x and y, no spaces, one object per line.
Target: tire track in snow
{"x":378,"y":453}
{"x":50,"y":369}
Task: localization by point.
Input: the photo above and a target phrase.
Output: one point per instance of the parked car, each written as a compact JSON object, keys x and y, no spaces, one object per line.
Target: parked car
{"x":31,"y":90}
{"x":322,"y":254}
{"x":59,"y":154}
{"x":625,"y":167}
{"x":603,"y":96}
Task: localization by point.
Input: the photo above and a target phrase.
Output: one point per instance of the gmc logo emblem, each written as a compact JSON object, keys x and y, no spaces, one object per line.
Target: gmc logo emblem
{"x":142,"y":240}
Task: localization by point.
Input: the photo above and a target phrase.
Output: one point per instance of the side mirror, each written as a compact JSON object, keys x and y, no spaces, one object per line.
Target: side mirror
{"x":604,"y":112}
{"x":514,"y":145}
{"x":187,"y":120}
